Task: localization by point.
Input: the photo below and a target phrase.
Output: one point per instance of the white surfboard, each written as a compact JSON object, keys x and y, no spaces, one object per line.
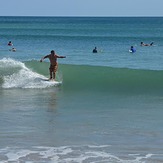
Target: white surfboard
{"x":51,"y":81}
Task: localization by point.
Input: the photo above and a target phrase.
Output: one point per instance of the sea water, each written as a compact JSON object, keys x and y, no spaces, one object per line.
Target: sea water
{"x":106,"y":108}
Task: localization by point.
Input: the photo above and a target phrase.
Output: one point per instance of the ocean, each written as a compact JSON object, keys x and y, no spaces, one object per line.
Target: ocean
{"x":105,"y":107}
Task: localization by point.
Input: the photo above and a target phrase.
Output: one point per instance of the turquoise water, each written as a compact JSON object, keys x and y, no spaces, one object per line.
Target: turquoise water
{"x":76,"y":37}
{"x":105,"y":107}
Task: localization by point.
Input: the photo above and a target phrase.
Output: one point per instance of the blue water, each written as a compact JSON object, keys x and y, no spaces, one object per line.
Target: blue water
{"x":104,"y":107}
{"x":76,"y":37}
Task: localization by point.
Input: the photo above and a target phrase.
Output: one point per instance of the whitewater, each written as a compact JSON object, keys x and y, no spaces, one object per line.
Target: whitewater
{"x":14,"y":74}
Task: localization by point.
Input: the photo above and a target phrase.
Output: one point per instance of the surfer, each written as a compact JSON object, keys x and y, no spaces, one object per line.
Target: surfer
{"x":10,"y":43}
{"x":94,"y":50}
{"x":53,"y":63}
{"x":143,"y":44}
{"x":132,"y":49}
{"x":13,"y":49}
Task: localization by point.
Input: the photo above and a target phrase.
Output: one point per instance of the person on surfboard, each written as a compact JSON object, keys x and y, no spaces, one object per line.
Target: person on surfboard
{"x":143,"y":44}
{"x":53,"y":63}
{"x":132,"y":50}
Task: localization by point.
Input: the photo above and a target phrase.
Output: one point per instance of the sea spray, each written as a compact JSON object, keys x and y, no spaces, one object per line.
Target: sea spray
{"x":15,"y":74}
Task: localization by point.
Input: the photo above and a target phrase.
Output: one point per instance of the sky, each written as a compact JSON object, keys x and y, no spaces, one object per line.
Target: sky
{"x":81,"y":8}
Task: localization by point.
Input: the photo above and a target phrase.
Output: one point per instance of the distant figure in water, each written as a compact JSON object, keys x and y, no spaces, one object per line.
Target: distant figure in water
{"x":132,"y":50}
{"x":13,"y":49}
{"x":94,"y":50}
{"x":10,"y":43}
{"x":53,"y":63}
{"x":143,"y":44}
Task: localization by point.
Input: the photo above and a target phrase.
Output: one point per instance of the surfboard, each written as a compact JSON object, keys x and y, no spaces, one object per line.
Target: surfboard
{"x":47,"y":80}
{"x":50,"y":80}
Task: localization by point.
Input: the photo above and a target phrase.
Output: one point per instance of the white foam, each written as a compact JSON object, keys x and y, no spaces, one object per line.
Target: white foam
{"x":24,"y":78}
{"x":8,"y":62}
{"x":62,"y":154}
{"x":15,"y":154}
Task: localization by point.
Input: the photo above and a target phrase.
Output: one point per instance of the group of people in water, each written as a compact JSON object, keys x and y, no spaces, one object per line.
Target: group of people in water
{"x":131,"y":50}
{"x":54,"y":65}
{"x":53,"y":58}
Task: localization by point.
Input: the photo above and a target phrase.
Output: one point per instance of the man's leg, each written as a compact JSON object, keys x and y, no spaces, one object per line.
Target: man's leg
{"x":54,"y":71}
{"x":50,"y":73}
{"x":54,"y":75}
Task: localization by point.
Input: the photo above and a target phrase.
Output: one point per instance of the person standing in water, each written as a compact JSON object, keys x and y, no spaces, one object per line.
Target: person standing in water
{"x":94,"y":50}
{"x":53,"y":63}
{"x":10,"y":43}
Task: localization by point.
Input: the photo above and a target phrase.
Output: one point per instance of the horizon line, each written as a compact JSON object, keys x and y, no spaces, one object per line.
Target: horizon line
{"x":70,"y":16}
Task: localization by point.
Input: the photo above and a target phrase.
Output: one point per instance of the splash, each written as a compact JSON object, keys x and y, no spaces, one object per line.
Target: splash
{"x":78,"y":154}
{"x":17,"y":75}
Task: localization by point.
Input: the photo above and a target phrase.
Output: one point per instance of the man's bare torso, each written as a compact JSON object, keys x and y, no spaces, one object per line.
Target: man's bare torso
{"x":53,"y":59}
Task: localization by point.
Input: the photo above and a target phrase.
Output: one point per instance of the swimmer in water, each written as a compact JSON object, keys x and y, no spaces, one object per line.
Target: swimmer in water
{"x":13,"y":49}
{"x":94,"y":50}
{"x":10,"y":43}
{"x":132,"y":50}
{"x":143,"y":44}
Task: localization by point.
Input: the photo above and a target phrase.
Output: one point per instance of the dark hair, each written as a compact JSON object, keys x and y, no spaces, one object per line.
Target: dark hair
{"x":52,"y":51}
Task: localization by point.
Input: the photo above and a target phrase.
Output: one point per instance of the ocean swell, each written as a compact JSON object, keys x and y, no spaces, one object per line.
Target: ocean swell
{"x":108,"y":79}
{"x":31,"y":74}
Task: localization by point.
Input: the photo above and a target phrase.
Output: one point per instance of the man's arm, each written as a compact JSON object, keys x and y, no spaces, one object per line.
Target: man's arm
{"x":44,"y":58}
{"x":60,"y":56}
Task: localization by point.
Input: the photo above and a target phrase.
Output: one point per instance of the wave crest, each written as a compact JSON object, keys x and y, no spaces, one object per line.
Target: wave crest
{"x":15,"y":74}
